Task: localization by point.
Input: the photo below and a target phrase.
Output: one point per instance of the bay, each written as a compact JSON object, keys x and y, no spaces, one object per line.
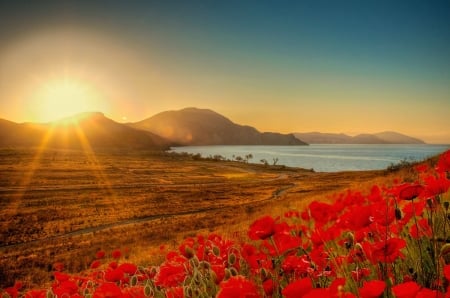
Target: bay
{"x":323,"y":157}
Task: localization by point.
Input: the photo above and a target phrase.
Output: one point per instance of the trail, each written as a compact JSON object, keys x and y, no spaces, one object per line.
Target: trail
{"x":275,"y":195}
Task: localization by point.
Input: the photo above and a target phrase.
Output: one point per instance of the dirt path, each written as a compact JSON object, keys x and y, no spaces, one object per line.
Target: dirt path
{"x":276,"y":195}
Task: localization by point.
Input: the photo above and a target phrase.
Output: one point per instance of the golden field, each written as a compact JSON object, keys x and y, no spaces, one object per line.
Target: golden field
{"x":64,"y":205}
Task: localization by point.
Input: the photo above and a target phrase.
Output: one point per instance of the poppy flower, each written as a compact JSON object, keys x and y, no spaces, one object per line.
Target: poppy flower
{"x":262,"y":228}
{"x":297,"y":288}
{"x":128,"y":268}
{"x":268,"y":286}
{"x":114,"y":275}
{"x":322,"y":213}
{"x":406,"y":289}
{"x":170,"y":274}
{"x":61,"y":276}
{"x":443,"y":164}
{"x":447,"y":272}
{"x":36,"y":294}
{"x":108,"y":290}
{"x":435,"y":186}
{"x":238,"y":286}
{"x":296,"y":264}
{"x":95,"y":264}
{"x":372,"y":289}
{"x":100,"y":254}
{"x":408,"y":191}
{"x":12,"y":292}
{"x":116,"y":254}
{"x":65,"y":288}
{"x":384,"y":251}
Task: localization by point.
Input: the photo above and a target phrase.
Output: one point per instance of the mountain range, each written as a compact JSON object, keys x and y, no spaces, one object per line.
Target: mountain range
{"x":387,"y":137}
{"x":86,"y":129}
{"x":192,"y":126}
{"x":189,"y":126}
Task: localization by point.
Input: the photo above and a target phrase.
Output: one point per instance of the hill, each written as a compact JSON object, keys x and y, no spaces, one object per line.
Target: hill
{"x":387,"y":137}
{"x":192,"y":126}
{"x":93,"y":129}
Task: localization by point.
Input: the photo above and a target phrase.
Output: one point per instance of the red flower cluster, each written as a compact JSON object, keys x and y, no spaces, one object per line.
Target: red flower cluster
{"x":389,"y":242}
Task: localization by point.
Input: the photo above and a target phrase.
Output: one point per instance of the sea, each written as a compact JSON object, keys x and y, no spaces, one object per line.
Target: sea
{"x":323,"y":157}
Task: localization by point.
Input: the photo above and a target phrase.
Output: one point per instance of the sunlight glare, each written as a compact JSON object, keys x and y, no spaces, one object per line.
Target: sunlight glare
{"x":63,"y":98}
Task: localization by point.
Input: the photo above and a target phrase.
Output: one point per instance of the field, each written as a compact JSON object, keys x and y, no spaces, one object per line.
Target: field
{"x":63,"y":205}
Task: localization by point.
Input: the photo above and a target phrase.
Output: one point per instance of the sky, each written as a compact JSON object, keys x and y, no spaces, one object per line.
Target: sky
{"x":286,"y":66}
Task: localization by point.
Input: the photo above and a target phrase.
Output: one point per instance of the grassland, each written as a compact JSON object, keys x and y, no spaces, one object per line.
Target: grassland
{"x":63,"y":205}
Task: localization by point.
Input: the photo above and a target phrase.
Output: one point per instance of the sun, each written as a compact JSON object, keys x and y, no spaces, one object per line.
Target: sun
{"x":57,"y":99}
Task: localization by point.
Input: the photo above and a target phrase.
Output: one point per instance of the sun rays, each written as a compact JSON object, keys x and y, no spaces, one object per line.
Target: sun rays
{"x":67,"y":134}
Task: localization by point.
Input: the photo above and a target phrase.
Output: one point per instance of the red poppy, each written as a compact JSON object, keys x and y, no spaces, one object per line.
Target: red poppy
{"x":95,"y":264}
{"x":36,"y":294}
{"x":297,"y":288}
{"x":443,"y":164}
{"x":408,"y":191}
{"x":100,"y":254}
{"x":12,"y":292}
{"x":268,"y":286}
{"x":108,"y":290}
{"x":406,"y":289}
{"x":65,"y":288}
{"x":447,"y":272}
{"x":128,"y":268}
{"x":372,"y":289}
{"x":262,"y":228}
{"x":61,"y":276}
{"x":435,"y":186}
{"x":176,"y":292}
{"x":296,"y":264}
{"x":285,"y":242}
{"x":238,"y":286}
{"x":116,"y":254}
{"x":114,"y":275}
{"x":428,"y":293}
{"x":170,"y":274}
{"x":384,"y":251}
{"x":322,"y":213}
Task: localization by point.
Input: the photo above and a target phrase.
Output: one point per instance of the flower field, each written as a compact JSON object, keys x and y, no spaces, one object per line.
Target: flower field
{"x":389,"y":241}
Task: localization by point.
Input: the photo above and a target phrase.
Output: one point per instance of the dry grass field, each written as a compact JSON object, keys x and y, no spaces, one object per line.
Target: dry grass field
{"x":63,"y":205}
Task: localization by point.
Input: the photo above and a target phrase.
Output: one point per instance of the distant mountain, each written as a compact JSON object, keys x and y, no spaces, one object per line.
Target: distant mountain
{"x":192,"y":126}
{"x":387,"y":137}
{"x":93,"y":129}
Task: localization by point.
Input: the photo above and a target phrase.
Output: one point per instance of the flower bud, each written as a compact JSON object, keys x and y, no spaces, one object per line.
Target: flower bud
{"x":445,"y":249}
{"x":231,"y":259}
{"x":216,"y":251}
{"x":133,"y":280}
{"x":148,"y":291}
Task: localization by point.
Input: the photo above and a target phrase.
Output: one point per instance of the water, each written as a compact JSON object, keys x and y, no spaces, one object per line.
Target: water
{"x":324,"y":158}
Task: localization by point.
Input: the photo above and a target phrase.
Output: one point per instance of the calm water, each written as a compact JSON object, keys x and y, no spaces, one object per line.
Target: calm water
{"x":324,"y":158}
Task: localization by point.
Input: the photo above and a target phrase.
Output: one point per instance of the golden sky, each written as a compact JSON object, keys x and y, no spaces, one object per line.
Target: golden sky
{"x":287,"y":69}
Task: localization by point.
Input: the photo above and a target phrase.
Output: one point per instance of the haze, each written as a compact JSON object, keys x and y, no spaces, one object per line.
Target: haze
{"x":330,"y":66}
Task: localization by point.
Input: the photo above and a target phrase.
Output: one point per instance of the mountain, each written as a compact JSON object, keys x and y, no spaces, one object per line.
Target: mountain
{"x":398,"y":138}
{"x":387,"y":137}
{"x":192,"y":126}
{"x":91,"y":129}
